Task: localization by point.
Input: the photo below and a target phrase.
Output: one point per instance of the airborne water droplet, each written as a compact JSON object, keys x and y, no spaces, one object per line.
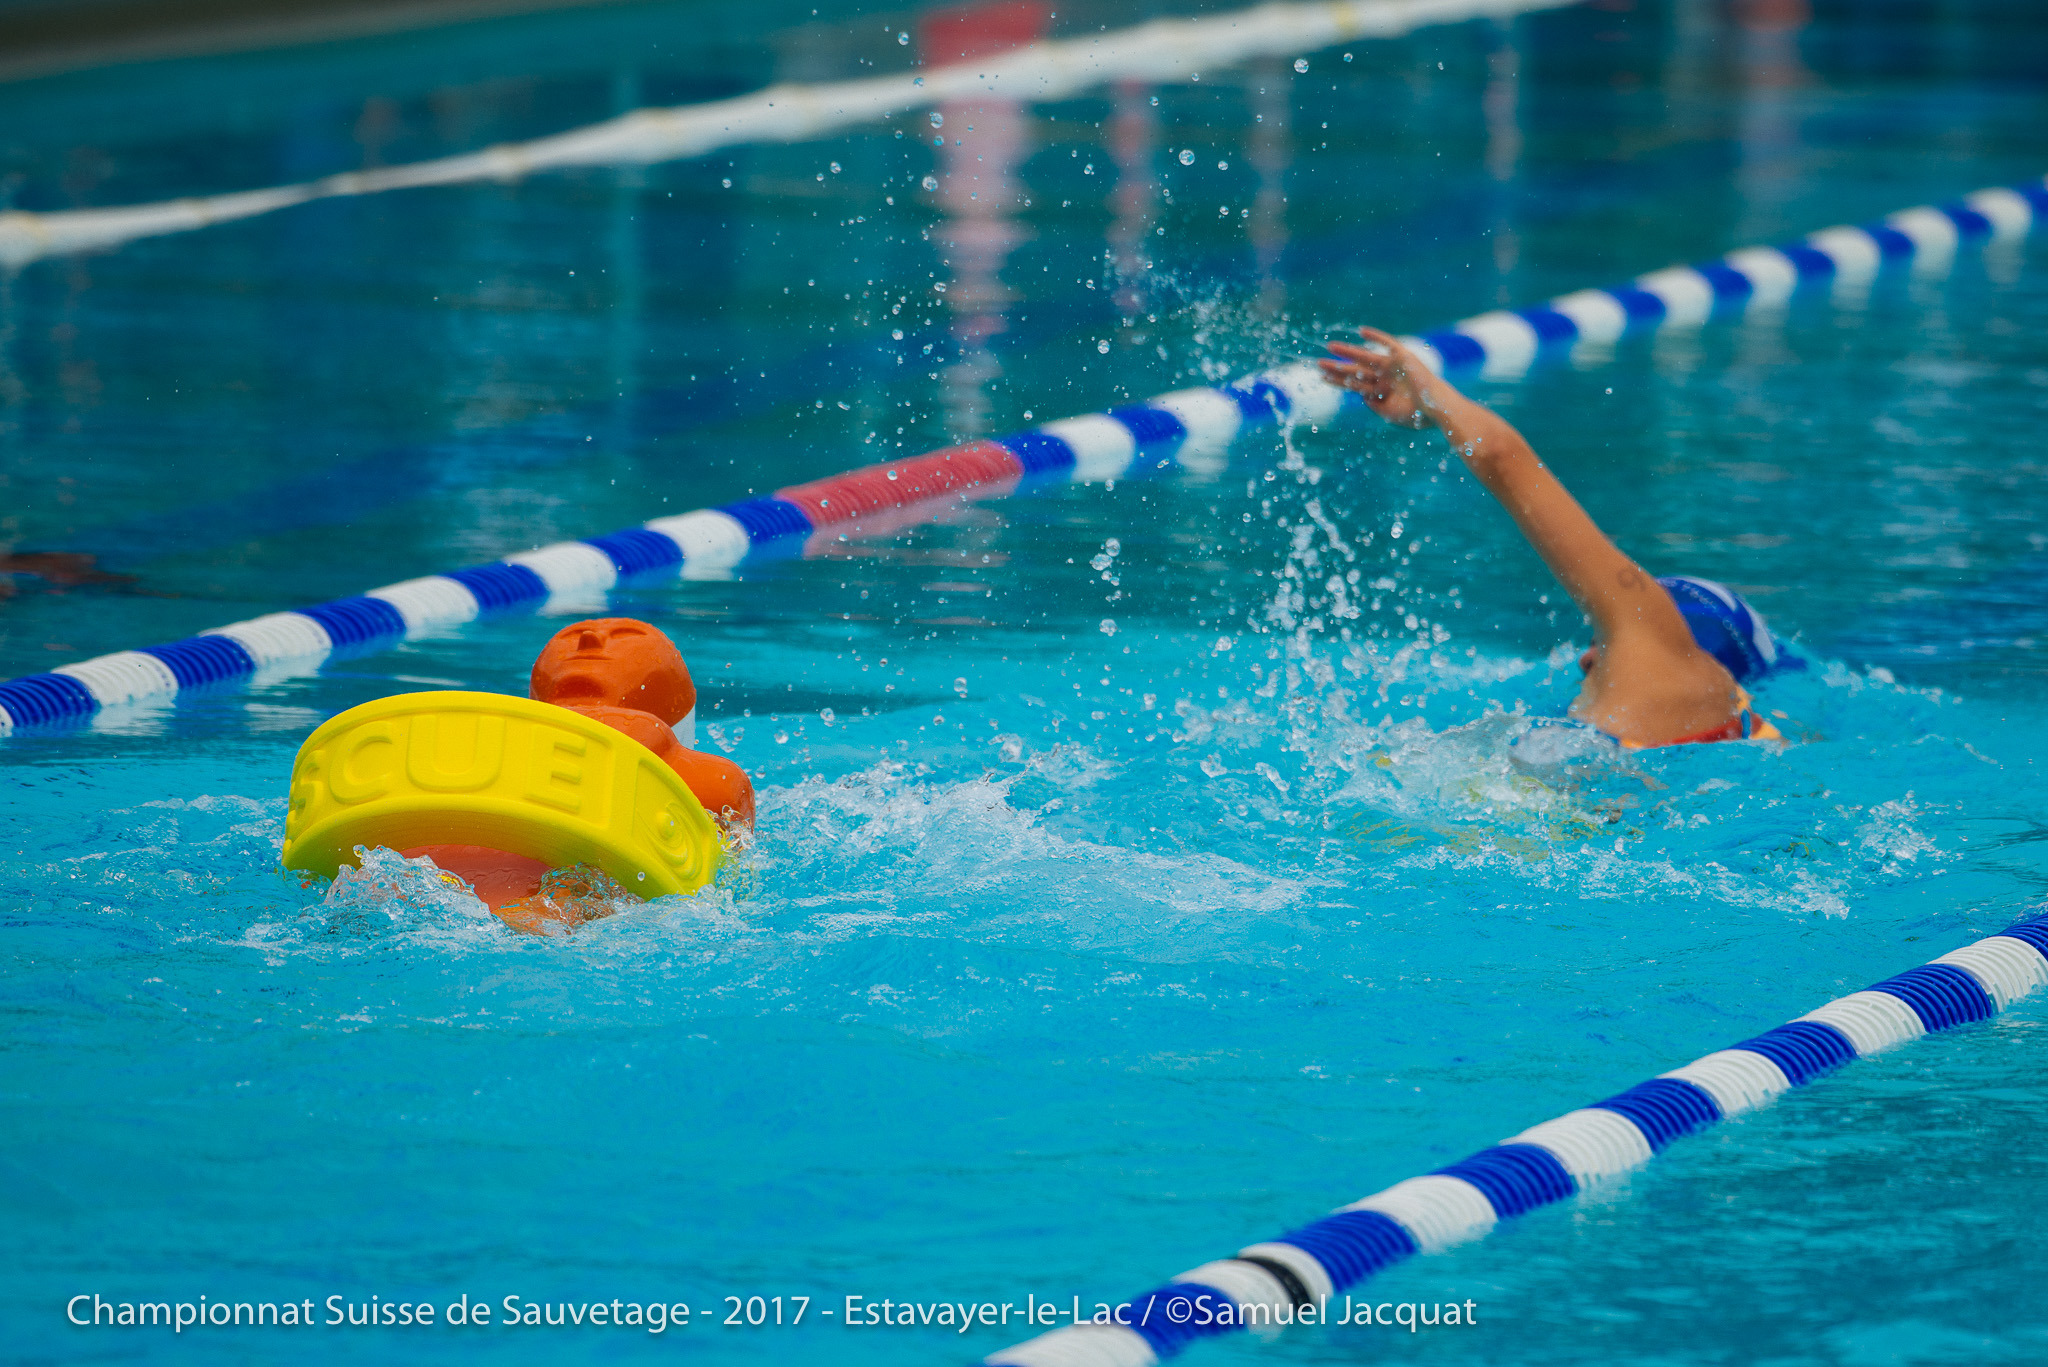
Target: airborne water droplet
{"x":1301,"y":64}
{"x":931,"y":182}
{"x":938,"y":119}
{"x":1187,"y":156}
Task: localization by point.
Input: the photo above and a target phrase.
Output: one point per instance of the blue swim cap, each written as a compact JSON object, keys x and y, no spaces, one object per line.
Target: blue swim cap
{"x":1728,"y":628}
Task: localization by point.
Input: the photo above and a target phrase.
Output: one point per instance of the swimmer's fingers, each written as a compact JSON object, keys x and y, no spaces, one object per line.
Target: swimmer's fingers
{"x":1351,"y":361}
{"x":1371,"y":383}
{"x":1358,"y":354}
{"x":1381,"y":381}
{"x":1399,"y":360}
{"x":1356,"y":360}
{"x":1371,"y":373}
{"x":1381,"y":354}
{"x":1384,"y":341}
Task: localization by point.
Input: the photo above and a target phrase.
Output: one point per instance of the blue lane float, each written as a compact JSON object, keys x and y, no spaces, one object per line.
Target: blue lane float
{"x":1289,"y":1280}
{"x":1192,"y":429}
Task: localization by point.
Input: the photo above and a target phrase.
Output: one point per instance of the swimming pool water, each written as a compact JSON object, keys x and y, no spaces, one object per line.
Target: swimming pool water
{"x":1126,"y":888}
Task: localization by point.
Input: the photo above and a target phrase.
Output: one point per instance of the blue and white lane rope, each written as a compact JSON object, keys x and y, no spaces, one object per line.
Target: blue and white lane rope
{"x":1287,"y":1280}
{"x":1191,"y":429}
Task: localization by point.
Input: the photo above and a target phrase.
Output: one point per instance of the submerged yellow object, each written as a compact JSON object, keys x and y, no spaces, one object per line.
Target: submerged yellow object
{"x":509,"y":773}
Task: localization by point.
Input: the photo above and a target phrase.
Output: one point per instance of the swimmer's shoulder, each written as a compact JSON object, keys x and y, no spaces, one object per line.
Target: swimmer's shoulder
{"x":1647,"y":694}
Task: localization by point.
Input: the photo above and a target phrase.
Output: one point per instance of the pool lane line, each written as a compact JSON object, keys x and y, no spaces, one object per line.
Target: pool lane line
{"x":1502,"y":344}
{"x":1189,"y":429}
{"x":1270,"y":1285}
{"x":1161,"y":51}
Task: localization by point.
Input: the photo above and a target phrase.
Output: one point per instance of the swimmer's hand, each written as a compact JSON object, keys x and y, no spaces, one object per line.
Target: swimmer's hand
{"x":1387,"y":376}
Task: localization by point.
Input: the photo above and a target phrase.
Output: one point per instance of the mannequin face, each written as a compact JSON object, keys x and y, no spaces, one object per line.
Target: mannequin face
{"x":615,"y":662}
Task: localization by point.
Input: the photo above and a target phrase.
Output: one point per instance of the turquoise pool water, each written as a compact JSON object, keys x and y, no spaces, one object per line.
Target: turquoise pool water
{"x":1105,"y":916}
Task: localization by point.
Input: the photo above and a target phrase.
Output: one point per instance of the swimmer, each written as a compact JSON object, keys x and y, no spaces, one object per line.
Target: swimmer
{"x":1666,"y":656}
{"x":632,"y":678}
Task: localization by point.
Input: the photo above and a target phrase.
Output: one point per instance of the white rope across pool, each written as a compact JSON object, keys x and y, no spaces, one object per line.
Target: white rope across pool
{"x":1164,"y":50}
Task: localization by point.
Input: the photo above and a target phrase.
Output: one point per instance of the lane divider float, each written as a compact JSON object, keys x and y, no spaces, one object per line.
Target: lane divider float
{"x":1191,"y":429}
{"x":1282,"y":1281}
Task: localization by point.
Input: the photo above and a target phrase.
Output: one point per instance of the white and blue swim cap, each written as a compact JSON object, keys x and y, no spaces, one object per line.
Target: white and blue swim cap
{"x":1727,"y":627}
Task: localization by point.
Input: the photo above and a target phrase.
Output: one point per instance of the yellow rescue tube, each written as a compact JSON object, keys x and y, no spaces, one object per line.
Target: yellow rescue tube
{"x":510,"y":773}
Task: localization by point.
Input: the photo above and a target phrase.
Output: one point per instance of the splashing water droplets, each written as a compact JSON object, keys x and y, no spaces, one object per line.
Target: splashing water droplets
{"x":1187,"y":156}
{"x":385,"y":881}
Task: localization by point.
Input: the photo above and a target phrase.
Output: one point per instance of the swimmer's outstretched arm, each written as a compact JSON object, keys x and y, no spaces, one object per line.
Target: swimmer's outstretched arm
{"x":1611,"y":588}
{"x":1636,"y":625}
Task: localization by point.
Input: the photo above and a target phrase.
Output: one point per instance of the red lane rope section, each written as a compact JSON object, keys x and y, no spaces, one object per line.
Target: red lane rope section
{"x":878,"y":488}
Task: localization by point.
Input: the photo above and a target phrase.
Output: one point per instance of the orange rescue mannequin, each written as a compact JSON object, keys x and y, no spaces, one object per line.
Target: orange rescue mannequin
{"x":632,"y":678}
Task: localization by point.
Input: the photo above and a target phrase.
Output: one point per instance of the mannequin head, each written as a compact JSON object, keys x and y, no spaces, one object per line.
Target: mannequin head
{"x":615,"y":662}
